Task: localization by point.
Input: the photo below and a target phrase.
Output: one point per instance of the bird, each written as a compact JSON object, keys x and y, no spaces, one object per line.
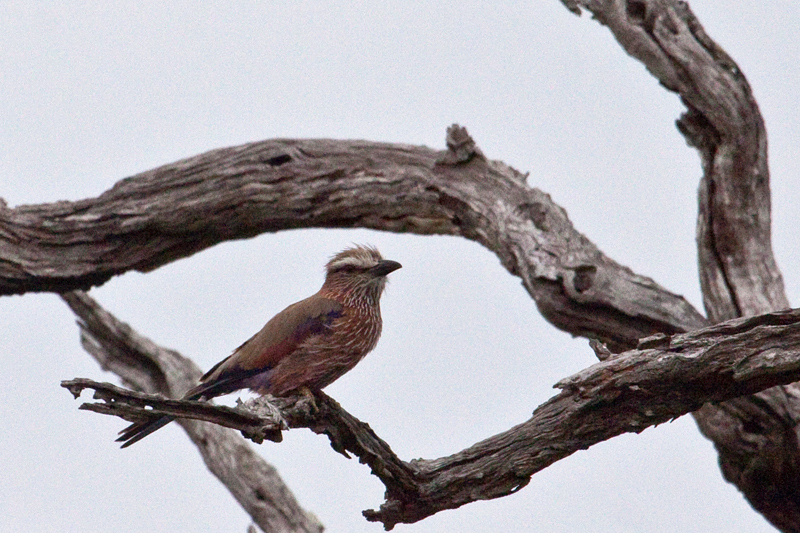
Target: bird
{"x":305,"y":347}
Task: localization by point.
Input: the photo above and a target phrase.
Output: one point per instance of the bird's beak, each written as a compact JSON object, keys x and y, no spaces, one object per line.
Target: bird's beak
{"x":385,"y":267}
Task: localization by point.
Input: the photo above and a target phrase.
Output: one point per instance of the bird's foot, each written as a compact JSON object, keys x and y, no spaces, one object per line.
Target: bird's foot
{"x":309,"y":396}
{"x":264,"y":406}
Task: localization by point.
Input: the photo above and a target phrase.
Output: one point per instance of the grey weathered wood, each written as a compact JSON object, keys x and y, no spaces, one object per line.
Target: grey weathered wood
{"x":173,"y":211}
{"x":664,"y":378}
{"x":145,"y":366}
{"x":755,"y":437}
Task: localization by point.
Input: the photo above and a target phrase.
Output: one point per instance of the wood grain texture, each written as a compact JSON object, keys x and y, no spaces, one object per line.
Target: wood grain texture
{"x":176,"y":210}
{"x":756,"y":437}
{"x":664,"y":378}
{"x":156,"y":217}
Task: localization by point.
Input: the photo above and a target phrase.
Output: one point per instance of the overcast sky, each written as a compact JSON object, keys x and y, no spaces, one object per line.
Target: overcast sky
{"x":94,"y":93}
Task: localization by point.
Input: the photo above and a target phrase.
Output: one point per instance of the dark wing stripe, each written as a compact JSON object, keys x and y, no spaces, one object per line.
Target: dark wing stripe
{"x":279,"y":337}
{"x":316,"y":325}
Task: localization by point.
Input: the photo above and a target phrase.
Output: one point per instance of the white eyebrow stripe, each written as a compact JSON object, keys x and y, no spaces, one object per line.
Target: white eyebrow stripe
{"x":358,"y":262}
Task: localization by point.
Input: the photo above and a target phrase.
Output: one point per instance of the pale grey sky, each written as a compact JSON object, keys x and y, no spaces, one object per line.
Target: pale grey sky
{"x":94,"y":93}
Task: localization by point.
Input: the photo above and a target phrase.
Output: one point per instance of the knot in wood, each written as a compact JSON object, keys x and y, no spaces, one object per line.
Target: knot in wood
{"x":461,"y":148}
{"x":584,"y":277}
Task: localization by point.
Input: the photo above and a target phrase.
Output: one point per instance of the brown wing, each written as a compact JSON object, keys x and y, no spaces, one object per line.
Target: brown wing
{"x":277,"y":339}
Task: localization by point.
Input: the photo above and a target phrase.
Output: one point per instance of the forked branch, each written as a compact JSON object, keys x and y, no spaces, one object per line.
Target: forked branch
{"x":739,"y":276}
{"x":664,"y":378}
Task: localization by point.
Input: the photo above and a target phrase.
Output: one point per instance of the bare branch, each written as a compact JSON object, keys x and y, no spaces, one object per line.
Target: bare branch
{"x":739,"y":276}
{"x":626,"y":393}
{"x":665,"y":378}
{"x":738,"y":272}
{"x":144,"y":366}
{"x":173,"y":211}
{"x":136,"y":406}
{"x":259,"y":419}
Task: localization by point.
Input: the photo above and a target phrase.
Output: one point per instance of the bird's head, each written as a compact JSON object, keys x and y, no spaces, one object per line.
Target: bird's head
{"x":360,"y":268}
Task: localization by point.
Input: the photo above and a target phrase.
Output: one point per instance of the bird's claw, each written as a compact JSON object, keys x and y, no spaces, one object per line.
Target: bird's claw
{"x":311,"y":398}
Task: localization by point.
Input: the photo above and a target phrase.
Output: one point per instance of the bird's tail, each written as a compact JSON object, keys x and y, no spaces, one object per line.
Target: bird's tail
{"x":139,"y":430}
{"x":204,"y":391}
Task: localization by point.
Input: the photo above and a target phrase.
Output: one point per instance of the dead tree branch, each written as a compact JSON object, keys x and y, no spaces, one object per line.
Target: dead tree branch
{"x":261,"y":419}
{"x":756,"y":438}
{"x":176,"y":210}
{"x":664,"y":378}
{"x":164,"y":214}
{"x":137,"y":406}
{"x":145,"y":366}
